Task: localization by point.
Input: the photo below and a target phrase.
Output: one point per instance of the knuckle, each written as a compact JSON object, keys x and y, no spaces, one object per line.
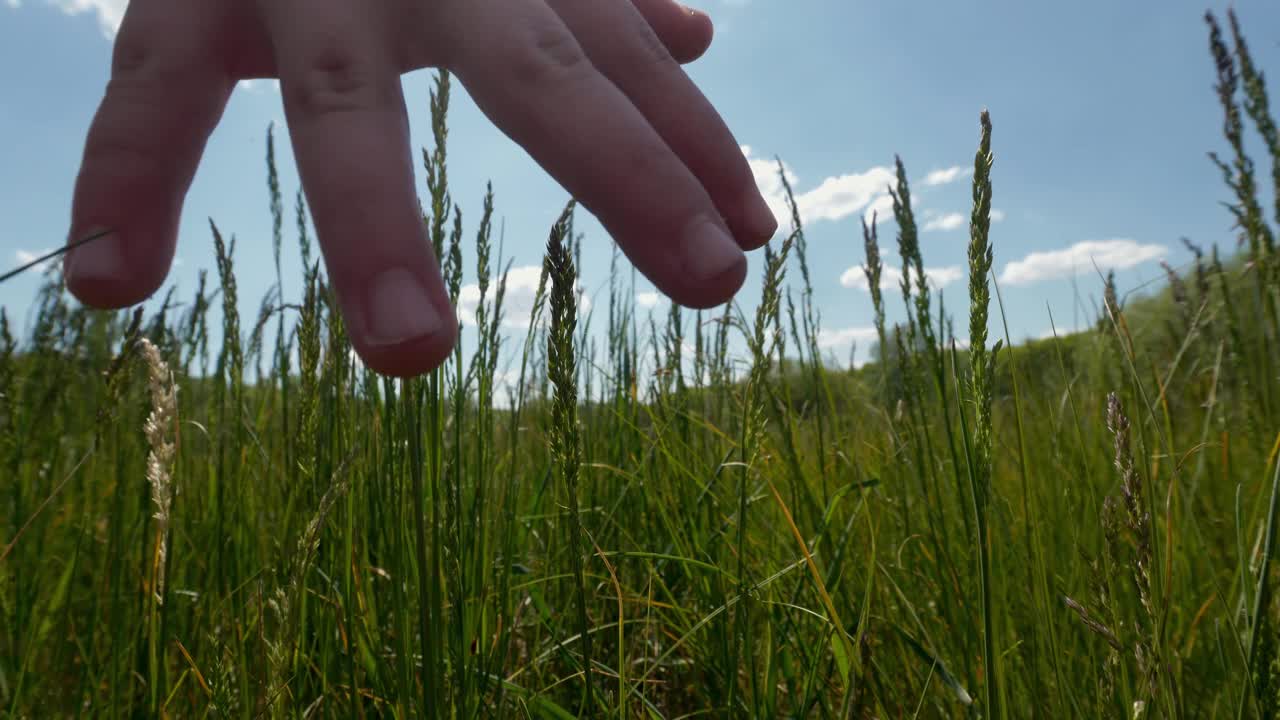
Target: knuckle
{"x":649,"y":160}
{"x":131,"y":57}
{"x":551,"y":57}
{"x":332,"y":79}
{"x":117,"y":156}
{"x":114,"y":146}
{"x":139,"y":61}
{"x":653,"y":52}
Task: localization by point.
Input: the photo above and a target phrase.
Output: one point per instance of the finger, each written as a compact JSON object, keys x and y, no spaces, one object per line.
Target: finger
{"x":534,"y":81}
{"x":421,"y":38}
{"x":623,"y":46}
{"x":165,"y":96}
{"x":346,"y":114}
{"x":685,"y":32}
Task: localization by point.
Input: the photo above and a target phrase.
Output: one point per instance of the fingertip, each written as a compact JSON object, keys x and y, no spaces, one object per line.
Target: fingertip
{"x":685,"y":32}
{"x":713,"y":270}
{"x":410,"y":357}
{"x":401,"y":325}
{"x":720,"y":288}
{"x":700,"y":31}
{"x":103,"y":274}
{"x":758,"y":225}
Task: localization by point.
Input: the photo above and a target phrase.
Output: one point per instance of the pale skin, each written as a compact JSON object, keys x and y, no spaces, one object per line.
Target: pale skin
{"x":591,"y":89}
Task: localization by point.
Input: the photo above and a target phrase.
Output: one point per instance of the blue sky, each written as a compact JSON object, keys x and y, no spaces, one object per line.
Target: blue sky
{"x":1103,"y":115}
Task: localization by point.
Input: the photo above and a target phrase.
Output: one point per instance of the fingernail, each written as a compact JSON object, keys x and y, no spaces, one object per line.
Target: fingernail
{"x":399,"y":309}
{"x":761,"y":222}
{"x":100,"y":258}
{"x":710,"y":252}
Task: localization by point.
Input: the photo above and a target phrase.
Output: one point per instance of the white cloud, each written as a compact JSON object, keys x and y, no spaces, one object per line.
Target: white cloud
{"x":891,"y":277}
{"x":840,"y":197}
{"x":647,"y":299}
{"x":844,"y":337}
{"x":25,"y":256}
{"x":1115,"y":254}
{"x":835,"y":198}
{"x":881,"y":209}
{"x":522,"y":285}
{"x":950,"y":221}
{"x":517,"y":304}
{"x":946,"y":175}
{"x":108,"y":12}
{"x":1061,"y":332}
{"x":852,"y":344}
{"x":954,"y":221}
{"x":261,"y":85}
{"x":13,"y":3}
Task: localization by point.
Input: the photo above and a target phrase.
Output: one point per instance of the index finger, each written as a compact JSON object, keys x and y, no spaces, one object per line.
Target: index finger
{"x":166,"y":94}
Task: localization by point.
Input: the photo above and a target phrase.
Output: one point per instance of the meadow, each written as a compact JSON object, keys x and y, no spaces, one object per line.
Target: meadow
{"x":615,"y":515}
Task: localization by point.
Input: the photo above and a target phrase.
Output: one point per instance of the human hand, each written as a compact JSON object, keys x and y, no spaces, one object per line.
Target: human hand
{"x":592,"y":89}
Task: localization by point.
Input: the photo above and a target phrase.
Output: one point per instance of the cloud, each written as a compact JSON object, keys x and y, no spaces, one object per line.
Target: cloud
{"x":13,"y":3}
{"x":647,"y":299}
{"x":261,"y":85}
{"x":25,"y":256}
{"x":880,"y":209}
{"x":844,"y":337}
{"x":851,"y":344}
{"x":950,"y":221}
{"x":1061,"y":332}
{"x":1115,"y":254}
{"x":891,"y":277}
{"x":517,"y":304}
{"x":954,"y":221}
{"x":835,"y":198}
{"x":945,"y":176}
{"x":108,"y":12}
{"x":840,"y":197}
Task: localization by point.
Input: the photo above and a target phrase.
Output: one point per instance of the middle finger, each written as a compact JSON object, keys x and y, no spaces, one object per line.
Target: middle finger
{"x":345,"y":108}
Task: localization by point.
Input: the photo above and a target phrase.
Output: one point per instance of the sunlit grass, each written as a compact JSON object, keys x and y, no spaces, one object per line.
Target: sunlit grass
{"x":636,"y":523}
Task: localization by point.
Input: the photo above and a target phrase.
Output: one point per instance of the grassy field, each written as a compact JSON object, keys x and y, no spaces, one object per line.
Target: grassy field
{"x":615,"y":516}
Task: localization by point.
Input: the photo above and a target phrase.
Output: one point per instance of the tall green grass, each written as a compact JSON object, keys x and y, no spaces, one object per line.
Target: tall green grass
{"x":635,"y":522}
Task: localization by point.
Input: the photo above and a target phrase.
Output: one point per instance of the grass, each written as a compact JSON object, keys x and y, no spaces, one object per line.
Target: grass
{"x":638,"y":524}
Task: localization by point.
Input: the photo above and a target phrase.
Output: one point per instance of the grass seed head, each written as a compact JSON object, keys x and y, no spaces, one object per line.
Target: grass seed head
{"x":1138,"y":521}
{"x":160,"y":431}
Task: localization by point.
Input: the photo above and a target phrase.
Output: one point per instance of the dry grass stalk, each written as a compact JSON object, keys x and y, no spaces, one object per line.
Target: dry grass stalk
{"x":161,"y":437}
{"x":1138,"y":520}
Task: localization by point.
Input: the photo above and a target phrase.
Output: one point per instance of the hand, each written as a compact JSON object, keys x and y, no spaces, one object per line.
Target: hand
{"x":592,"y":89}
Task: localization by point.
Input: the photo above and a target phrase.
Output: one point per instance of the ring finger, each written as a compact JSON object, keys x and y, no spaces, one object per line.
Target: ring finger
{"x":534,"y":80}
{"x":624,"y":46}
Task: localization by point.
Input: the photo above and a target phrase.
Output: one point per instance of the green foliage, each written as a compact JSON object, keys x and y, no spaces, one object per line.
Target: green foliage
{"x":557,"y":529}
